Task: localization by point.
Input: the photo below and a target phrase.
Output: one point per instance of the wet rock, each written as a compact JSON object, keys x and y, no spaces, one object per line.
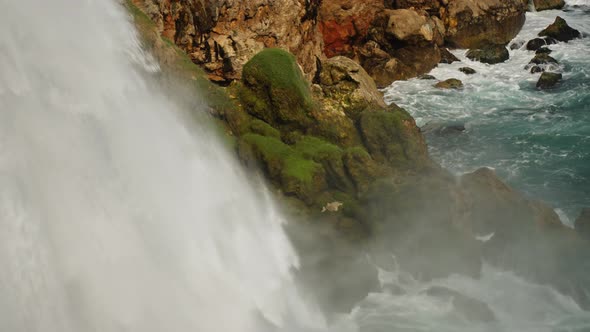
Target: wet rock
{"x":582,"y":224}
{"x":490,"y":54}
{"x":451,"y":83}
{"x":543,"y":50}
{"x":535,"y":44}
{"x":548,"y":4}
{"x":516,"y":45}
{"x":447,"y":57}
{"x":467,"y":70}
{"x":472,"y":309}
{"x":548,"y":80}
{"x":560,"y":30}
{"x":542,"y":59}
{"x":537,"y":69}
{"x":426,"y":77}
{"x":474,"y":24}
{"x":443,"y":129}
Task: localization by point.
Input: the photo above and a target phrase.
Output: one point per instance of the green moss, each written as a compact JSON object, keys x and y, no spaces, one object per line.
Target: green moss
{"x":262,"y":128}
{"x":317,"y":149}
{"x":275,"y":89}
{"x":301,"y":169}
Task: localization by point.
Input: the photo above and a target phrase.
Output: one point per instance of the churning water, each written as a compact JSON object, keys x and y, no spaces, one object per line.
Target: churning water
{"x":118,"y":215}
{"x":538,"y":141}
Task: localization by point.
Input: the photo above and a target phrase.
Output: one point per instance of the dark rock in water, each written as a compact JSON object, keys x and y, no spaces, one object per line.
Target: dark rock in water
{"x":537,"y":69}
{"x":535,"y":44}
{"x":548,"y":4}
{"x":472,"y":309}
{"x":542,"y":59}
{"x":548,"y":80}
{"x":560,"y":31}
{"x":467,"y":70}
{"x":443,"y":129}
{"x":426,"y":77}
{"x":447,"y":57}
{"x":582,"y":224}
{"x":516,"y":45}
{"x":451,"y":83}
{"x":551,"y":40}
{"x":543,"y":50}
{"x":490,"y":54}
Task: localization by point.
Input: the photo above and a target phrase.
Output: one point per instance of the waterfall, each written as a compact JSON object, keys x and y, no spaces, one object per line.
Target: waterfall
{"x":115,"y":213}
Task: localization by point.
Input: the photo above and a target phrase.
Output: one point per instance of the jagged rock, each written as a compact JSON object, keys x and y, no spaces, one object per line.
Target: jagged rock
{"x":542,"y":59}
{"x":535,"y":44}
{"x":409,"y":26}
{"x":582,"y":224}
{"x":467,"y":70}
{"x":543,"y":50}
{"x":472,"y":309}
{"x":560,"y":31}
{"x":344,"y":24}
{"x":447,"y":57}
{"x":451,"y":83}
{"x":476,"y":23}
{"x":223,"y":35}
{"x":548,"y":4}
{"x":426,"y":77}
{"x":443,"y":129}
{"x":548,"y":80}
{"x":490,"y":54}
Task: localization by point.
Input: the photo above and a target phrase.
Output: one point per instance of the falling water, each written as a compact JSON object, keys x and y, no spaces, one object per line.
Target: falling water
{"x":115,"y":214}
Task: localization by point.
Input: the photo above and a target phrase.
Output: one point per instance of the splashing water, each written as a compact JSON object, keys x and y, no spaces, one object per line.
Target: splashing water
{"x":114,"y":214}
{"x":536,"y":140}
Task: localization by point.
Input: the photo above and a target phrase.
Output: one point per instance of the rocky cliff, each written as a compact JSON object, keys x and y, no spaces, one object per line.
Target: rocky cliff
{"x":385,"y":37}
{"x":353,"y":170}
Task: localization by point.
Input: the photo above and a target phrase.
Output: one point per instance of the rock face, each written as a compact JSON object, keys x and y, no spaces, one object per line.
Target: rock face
{"x":548,"y":80}
{"x":222,"y":35}
{"x":490,"y":54}
{"x":559,"y":30}
{"x":476,"y":23}
{"x":548,"y":4}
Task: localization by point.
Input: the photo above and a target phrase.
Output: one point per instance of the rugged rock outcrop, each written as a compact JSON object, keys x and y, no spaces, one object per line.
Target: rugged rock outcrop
{"x":475,"y":23}
{"x":548,"y":4}
{"x":222,"y":35}
{"x":560,"y":30}
{"x":451,"y":83}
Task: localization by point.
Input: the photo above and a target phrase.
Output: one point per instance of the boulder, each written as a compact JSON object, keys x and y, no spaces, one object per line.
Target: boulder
{"x":548,"y":4}
{"x":467,"y":70}
{"x":442,"y":129}
{"x":548,"y":80}
{"x":447,"y":57}
{"x":426,"y":77}
{"x":543,"y":50}
{"x":470,"y":308}
{"x":451,"y":83}
{"x":476,"y":23}
{"x":535,"y":44}
{"x":537,"y":69}
{"x":408,"y":25}
{"x":560,"y":30}
{"x":516,"y":45}
{"x":542,"y":59}
{"x":490,"y":54}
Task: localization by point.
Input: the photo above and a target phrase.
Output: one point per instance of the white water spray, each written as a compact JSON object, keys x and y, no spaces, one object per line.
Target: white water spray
{"x":114,"y":215}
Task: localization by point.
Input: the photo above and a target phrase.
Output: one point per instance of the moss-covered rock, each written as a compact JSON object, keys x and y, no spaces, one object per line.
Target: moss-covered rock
{"x":490,"y":54}
{"x":391,"y":136}
{"x":548,"y":80}
{"x":275,"y":90}
{"x":451,"y":83}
